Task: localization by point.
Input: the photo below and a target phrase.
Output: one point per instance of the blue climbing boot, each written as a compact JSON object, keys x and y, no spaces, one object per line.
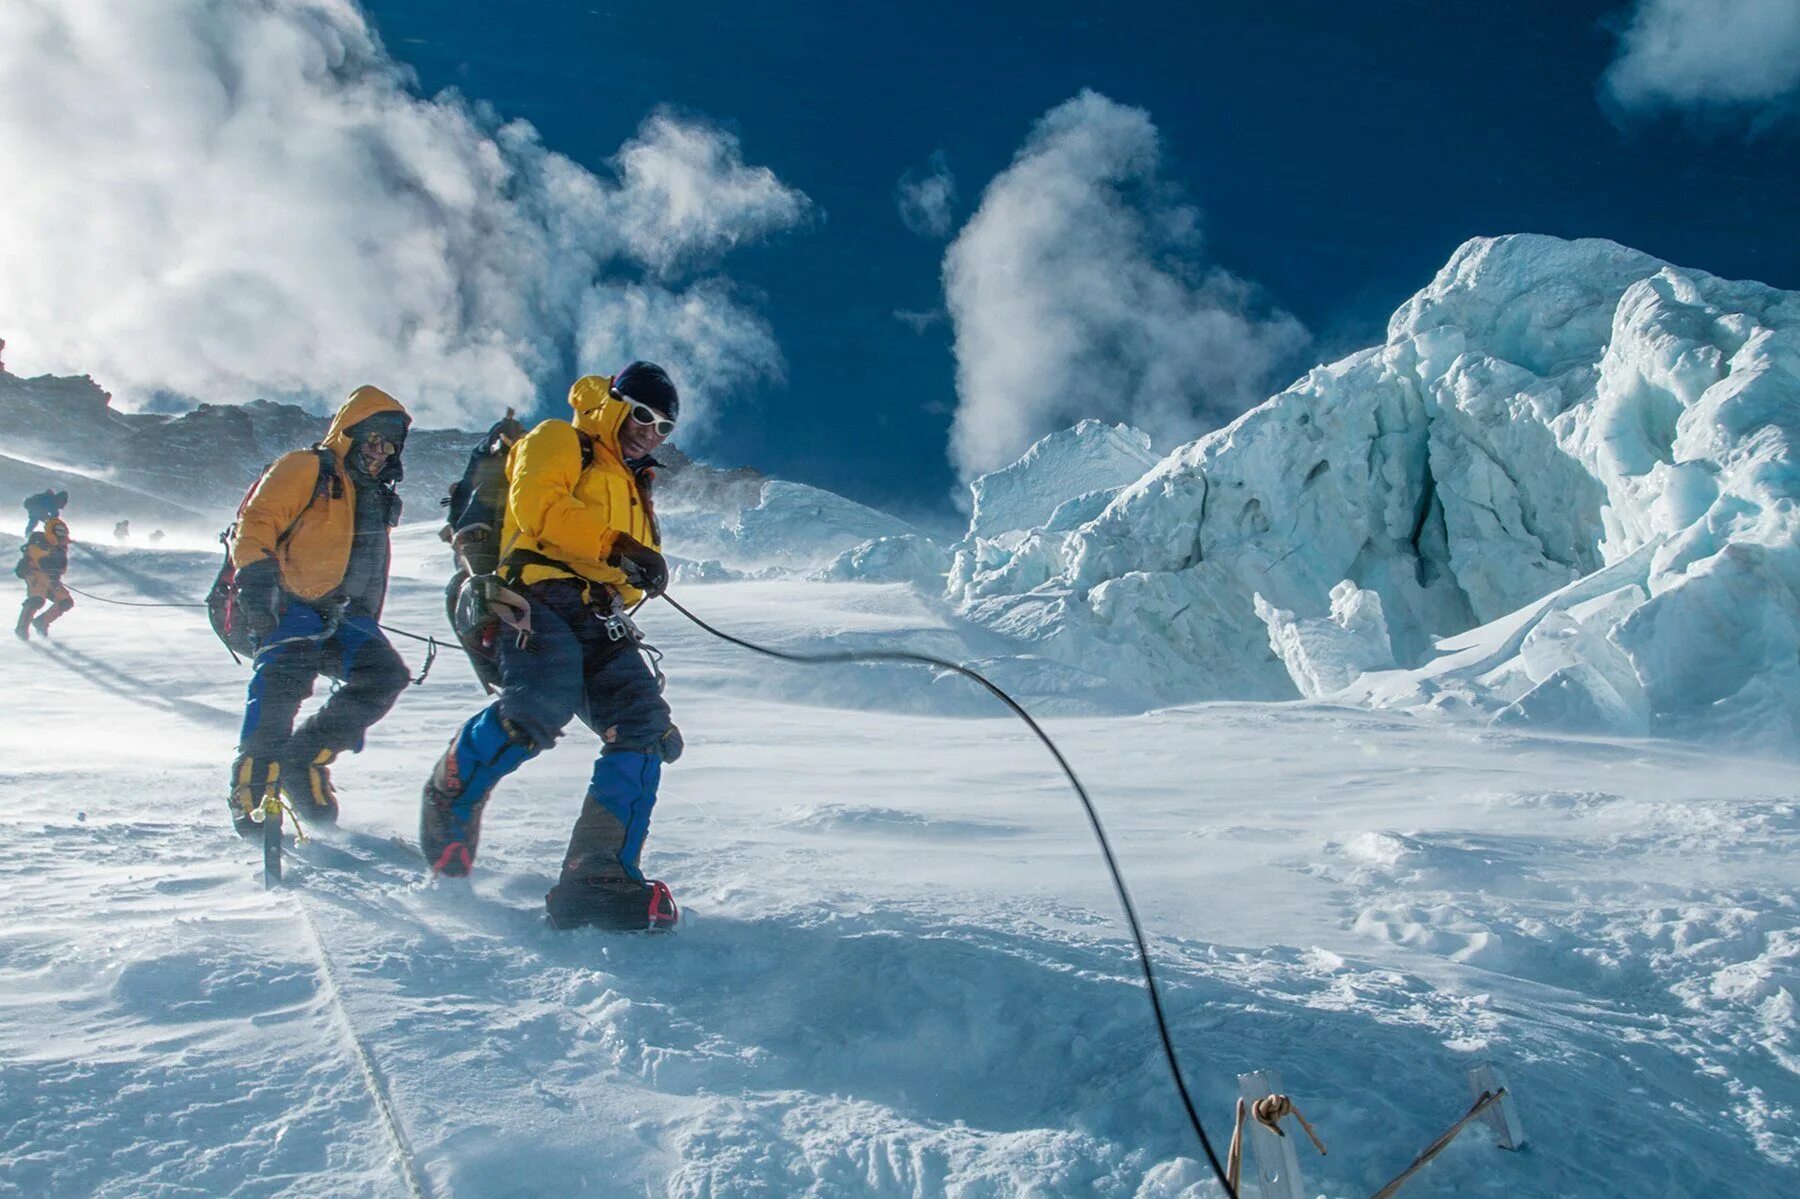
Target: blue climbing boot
{"x":484,"y":751}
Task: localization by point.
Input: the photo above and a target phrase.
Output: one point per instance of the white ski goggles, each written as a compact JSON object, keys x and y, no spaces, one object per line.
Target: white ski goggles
{"x":644,"y":414}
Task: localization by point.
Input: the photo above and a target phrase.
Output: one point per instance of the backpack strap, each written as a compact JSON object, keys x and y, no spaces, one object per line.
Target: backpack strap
{"x":328,"y":483}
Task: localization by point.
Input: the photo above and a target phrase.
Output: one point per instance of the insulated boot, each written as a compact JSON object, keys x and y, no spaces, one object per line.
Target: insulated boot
{"x":484,"y":751}
{"x":621,"y":905}
{"x":46,"y":619}
{"x":306,"y":780}
{"x":600,"y":884}
{"x":22,"y":630}
{"x":448,"y":837}
{"x":251,"y":781}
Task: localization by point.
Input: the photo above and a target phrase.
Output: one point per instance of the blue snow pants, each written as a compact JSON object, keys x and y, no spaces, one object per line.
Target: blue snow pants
{"x":356,"y":655}
{"x":569,"y":666}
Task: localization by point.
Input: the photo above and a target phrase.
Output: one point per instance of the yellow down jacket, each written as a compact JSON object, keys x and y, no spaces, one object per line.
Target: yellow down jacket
{"x":572,"y":516}
{"x":307,"y":528}
{"x":46,"y":558}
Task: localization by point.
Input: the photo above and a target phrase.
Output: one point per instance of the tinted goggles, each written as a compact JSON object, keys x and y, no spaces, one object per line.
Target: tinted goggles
{"x":644,"y":414}
{"x":390,"y":433}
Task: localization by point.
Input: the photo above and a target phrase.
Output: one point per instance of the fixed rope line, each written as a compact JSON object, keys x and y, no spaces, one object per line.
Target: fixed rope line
{"x":1112,"y":865}
{"x":128,"y":603}
{"x":384,"y":1108}
{"x":432,"y":643}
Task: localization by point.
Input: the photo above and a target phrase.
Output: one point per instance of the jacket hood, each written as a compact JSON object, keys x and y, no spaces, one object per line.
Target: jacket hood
{"x":363,"y":403}
{"x":596,"y":413}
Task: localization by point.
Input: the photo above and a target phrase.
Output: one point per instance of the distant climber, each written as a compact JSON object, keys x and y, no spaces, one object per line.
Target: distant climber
{"x":122,"y":531}
{"x":156,"y":537}
{"x":43,"y":506}
{"x":311,"y":553}
{"x":42,"y":561}
{"x":579,"y":546}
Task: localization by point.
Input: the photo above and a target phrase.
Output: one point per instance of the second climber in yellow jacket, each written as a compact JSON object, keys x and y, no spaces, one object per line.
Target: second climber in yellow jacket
{"x":579,"y":544}
{"x":42,"y":562}
{"x":311,"y":551}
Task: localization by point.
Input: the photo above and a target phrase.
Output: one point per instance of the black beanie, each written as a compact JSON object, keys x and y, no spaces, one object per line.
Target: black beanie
{"x":649,"y":384}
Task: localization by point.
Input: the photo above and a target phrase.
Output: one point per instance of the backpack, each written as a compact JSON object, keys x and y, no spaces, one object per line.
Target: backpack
{"x":477,"y":501}
{"x":476,"y":594}
{"x":40,"y":508}
{"x":222,"y":601}
{"x":53,"y":562}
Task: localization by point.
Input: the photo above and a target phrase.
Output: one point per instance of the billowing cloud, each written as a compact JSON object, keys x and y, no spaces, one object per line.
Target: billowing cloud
{"x":926,"y":204}
{"x":1710,"y":54}
{"x":214,"y":200}
{"x":1079,"y":289}
{"x":687,"y":194}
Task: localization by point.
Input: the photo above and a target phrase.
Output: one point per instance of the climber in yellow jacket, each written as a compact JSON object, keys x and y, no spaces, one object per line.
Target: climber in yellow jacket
{"x":579,"y":544}
{"x":41,"y":564}
{"x":311,"y":552}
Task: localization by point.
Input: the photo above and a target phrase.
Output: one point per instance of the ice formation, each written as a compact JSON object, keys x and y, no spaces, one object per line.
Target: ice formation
{"x":1088,"y":459}
{"x":1568,"y":474}
{"x":1328,"y":654}
{"x":907,"y":558}
{"x":791,"y":525}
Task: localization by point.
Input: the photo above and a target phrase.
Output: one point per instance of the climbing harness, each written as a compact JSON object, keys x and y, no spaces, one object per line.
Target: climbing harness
{"x":1112,"y":865}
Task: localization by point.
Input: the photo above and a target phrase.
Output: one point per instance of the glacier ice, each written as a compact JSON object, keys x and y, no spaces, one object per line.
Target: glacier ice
{"x":907,"y":558}
{"x":1567,"y":476}
{"x":790,"y":525}
{"x":1091,"y":457}
{"x":1324,"y":655}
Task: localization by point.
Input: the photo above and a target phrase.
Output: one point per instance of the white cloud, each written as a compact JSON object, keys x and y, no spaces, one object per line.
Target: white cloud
{"x":710,"y":344}
{"x":688,"y":194}
{"x":1079,"y":289}
{"x":926,"y":204}
{"x":216,"y":200}
{"x":1722,"y":54}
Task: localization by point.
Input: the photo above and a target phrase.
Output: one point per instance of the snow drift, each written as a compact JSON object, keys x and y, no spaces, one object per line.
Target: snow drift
{"x":1567,"y":476}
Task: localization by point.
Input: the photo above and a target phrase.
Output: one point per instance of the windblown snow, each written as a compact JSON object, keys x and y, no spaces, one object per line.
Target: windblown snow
{"x":1558,"y":504}
{"x":1563,"y":493}
{"x":902,"y":971}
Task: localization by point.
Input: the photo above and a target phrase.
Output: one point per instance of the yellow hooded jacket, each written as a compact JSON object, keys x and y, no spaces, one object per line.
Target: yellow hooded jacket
{"x":308,"y":536}
{"x":46,"y":555}
{"x":573,"y":516}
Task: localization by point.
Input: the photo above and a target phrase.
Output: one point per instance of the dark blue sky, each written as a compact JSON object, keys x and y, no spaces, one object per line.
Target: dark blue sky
{"x":1339,"y":153}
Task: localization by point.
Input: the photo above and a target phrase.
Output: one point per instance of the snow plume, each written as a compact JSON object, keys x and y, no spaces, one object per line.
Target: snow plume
{"x":1742,"y":54}
{"x":212,"y":200}
{"x":688,"y":194}
{"x":925,"y":204}
{"x":1079,"y":289}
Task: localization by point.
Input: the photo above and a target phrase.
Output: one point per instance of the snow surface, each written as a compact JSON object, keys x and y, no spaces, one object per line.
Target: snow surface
{"x":1546,"y":414}
{"x":902,"y":971}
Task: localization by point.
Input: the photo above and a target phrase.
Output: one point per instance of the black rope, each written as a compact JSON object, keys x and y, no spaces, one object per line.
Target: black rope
{"x":432,"y":643}
{"x":431,"y":649}
{"x":1112,"y":865}
{"x":128,"y":603}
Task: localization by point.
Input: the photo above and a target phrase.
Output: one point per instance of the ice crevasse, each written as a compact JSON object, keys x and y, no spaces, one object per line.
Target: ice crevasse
{"x":1561,"y":493}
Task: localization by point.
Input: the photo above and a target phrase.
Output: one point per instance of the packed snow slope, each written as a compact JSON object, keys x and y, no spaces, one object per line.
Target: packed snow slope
{"x":1563,"y":492}
{"x":902,"y":971}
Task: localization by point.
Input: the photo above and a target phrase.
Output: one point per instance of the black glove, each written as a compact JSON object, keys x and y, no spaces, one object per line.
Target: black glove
{"x":642,"y":566}
{"x":259,"y":597}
